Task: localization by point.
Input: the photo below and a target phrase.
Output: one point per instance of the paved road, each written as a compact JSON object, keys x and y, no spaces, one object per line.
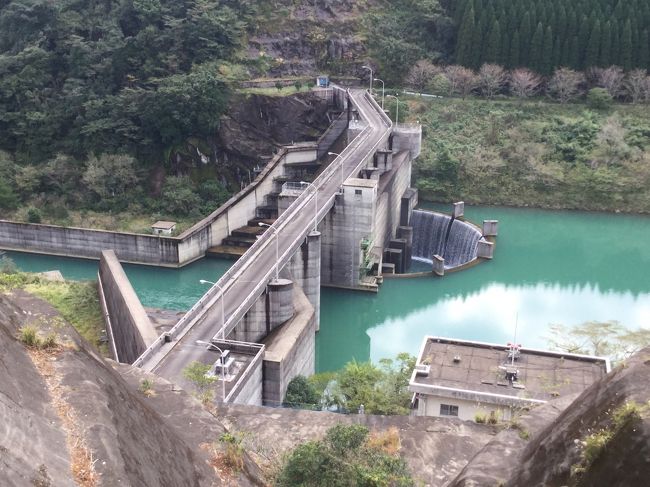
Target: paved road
{"x":246,"y":280}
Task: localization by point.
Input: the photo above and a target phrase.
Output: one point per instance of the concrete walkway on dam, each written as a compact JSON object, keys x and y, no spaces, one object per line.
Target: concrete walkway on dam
{"x":240,"y":287}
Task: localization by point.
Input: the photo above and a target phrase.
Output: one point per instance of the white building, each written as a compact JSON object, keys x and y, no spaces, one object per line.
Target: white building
{"x":468,"y":379}
{"x":163,"y":227}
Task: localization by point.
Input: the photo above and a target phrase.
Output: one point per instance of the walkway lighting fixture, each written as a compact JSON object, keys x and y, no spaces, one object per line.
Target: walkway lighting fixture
{"x":382,"y":92}
{"x":342,"y":175}
{"x":369,"y":69}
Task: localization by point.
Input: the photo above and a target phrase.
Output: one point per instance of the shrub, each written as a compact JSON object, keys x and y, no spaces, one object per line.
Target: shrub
{"x":29,"y":336}
{"x":298,"y":85}
{"x":599,"y":99}
{"x":146,"y":387}
{"x":234,"y":450}
{"x":300,"y":393}
{"x":7,"y":265}
{"x":480,"y":418}
{"x":34,"y":215}
{"x":278,"y":86}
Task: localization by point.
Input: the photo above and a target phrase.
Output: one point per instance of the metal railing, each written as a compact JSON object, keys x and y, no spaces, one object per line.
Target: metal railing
{"x":224,"y":284}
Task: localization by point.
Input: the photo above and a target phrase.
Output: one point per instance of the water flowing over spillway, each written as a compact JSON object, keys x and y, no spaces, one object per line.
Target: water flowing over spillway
{"x":432,"y":235}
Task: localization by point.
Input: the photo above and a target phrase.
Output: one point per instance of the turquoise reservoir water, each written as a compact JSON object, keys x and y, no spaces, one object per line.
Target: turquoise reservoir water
{"x":549,"y":267}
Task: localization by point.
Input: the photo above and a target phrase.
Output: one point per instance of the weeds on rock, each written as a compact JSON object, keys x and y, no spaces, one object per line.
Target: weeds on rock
{"x":146,"y":388}
{"x":29,"y":336}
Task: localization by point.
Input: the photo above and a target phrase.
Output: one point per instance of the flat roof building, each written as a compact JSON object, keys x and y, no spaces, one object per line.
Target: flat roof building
{"x":162,"y":227}
{"x":465,"y":379}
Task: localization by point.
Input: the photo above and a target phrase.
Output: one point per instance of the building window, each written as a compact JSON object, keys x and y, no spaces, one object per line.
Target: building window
{"x":448,"y":410}
{"x":357,"y":192}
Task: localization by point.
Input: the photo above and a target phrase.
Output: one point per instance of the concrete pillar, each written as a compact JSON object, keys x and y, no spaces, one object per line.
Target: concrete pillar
{"x":384,"y":160}
{"x":394,"y":256}
{"x":406,"y":233}
{"x":438,"y":265}
{"x":459,"y":209}
{"x":279,"y":305}
{"x":400,"y":243}
{"x":485,"y":249}
{"x":490,"y":228}
{"x":345,"y":226}
{"x":253,"y":326}
{"x":304,"y":268}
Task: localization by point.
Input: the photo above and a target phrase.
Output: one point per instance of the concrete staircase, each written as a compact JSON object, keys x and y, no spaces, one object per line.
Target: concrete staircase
{"x":234,"y":246}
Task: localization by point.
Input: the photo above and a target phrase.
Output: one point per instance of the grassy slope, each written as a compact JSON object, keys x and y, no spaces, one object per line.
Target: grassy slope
{"x":77,"y":302}
{"x":534,"y":153}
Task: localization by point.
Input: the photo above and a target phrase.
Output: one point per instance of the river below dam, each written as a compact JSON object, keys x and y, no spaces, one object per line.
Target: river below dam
{"x":550,"y":267}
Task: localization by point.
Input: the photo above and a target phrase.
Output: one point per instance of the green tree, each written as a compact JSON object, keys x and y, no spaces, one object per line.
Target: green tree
{"x":546,"y":58}
{"x":345,"y":457}
{"x":493,"y":46}
{"x":592,"y":53}
{"x":599,"y":98}
{"x":301,"y":393}
{"x":464,"y":46}
{"x":536,"y":44}
{"x":197,"y":374}
{"x":626,"y":46}
{"x":110,"y":176}
{"x":606,"y":45}
{"x":8,"y":199}
{"x":513,"y":57}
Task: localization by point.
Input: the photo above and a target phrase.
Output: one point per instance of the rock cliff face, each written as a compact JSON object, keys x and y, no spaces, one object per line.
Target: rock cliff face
{"x":69,"y":419}
{"x":602,"y":438}
{"x":305,"y":37}
{"x":253,"y":127}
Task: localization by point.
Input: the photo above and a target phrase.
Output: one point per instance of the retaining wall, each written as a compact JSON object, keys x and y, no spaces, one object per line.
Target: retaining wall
{"x":129,"y":329}
{"x":151,"y":249}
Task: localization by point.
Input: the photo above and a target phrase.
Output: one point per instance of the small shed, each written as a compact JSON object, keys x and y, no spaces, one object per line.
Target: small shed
{"x":163,"y":228}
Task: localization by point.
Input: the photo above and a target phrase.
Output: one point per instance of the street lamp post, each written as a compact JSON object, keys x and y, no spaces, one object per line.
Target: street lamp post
{"x":277,"y":249}
{"x":382,"y":92}
{"x":342,"y":175}
{"x":396,"y":109}
{"x":369,"y":69}
{"x":223,"y":311}
{"x":223,"y":368}
{"x":315,"y":202}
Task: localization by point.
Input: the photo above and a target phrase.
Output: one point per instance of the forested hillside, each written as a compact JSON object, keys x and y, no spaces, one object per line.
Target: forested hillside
{"x":546,"y":34}
{"x":102,"y":76}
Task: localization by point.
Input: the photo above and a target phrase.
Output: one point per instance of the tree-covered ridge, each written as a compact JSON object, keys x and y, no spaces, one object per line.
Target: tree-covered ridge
{"x":130,"y":76}
{"x":547,"y":34}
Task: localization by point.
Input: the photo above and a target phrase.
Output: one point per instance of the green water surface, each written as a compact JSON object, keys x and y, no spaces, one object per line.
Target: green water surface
{"x":549,"y":267}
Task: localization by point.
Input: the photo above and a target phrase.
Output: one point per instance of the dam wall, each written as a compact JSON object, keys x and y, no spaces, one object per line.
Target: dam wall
{"x":129,"y":329}
{"x":456,"y":241}
{"x":392,"y":187}
{"x":153,"y":249}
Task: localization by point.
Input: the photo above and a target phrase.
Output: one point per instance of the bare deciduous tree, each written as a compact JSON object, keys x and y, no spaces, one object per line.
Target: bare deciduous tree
{"x":461,"y":80}
{"x":636,"y":85}
{"x":565,"y":84}
{"x":491,"y":78}
{"x":611,"y":79}
{"x":421,"y":74}
{"x":524,"y":83}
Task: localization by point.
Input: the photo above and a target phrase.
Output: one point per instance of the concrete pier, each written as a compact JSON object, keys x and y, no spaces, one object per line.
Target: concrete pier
{"x":438,"y":265}
{"x":458,"y":210}
{"x":490,"y":228}
{"x":485,"y":249}
{"x":304,"y":269}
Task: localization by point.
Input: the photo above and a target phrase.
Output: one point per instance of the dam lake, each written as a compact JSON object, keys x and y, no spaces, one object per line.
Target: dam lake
{"x":549,"y":267}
